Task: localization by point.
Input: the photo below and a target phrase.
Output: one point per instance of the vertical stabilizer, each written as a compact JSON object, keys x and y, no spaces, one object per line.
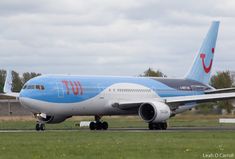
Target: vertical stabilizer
{"x":202,"y":65}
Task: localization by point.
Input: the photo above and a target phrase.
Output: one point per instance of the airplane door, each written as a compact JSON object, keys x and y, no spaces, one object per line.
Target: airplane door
{"x":101,"y":94}
{"x":60,"y":90}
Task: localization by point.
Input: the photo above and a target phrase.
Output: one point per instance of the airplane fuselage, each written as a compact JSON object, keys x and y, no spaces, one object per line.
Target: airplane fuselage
{"x":95,"y":95}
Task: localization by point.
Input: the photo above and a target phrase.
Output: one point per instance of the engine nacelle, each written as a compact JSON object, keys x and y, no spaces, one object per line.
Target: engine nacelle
{"x":154,"y":112}
{"x":52,"y":119}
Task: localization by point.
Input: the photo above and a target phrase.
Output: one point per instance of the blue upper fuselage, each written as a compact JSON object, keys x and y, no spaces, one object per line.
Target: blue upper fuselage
{"x":71,"y":89}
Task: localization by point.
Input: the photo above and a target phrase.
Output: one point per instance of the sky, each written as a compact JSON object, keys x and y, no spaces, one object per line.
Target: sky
{"x":112,"y":37}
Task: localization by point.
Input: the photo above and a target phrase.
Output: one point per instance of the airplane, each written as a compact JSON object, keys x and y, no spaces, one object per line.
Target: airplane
{"x":55,"y":98}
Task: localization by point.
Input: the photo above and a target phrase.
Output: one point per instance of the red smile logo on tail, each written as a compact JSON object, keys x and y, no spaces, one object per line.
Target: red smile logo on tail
{"x":203,"y":56}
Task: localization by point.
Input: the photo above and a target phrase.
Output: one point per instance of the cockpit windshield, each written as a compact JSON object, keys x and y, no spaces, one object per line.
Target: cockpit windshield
{"x":38,"y":87}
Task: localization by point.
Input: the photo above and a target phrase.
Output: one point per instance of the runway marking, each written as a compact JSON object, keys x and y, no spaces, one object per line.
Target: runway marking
{"x":171,"y":129}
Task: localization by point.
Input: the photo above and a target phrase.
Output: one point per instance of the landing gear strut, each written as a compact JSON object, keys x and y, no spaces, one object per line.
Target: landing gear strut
{"x":98,"y":125}
{"x":40,"y":126}
{"x":158,"y":126}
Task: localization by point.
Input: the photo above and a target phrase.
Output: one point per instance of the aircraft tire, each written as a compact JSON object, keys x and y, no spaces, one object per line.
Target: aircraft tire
{"x":105,"y":125}
{"x":158,"y":126}
{"x":151,"y":126}
{"x":99,"y":126}
{"x":164,"y":126}
{"x":92,"y":125}
{"x":37,"y":127}
{"x":42,"y":127}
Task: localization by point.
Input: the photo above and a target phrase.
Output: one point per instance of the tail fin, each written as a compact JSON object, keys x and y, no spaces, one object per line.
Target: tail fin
{"x":201,"y":68}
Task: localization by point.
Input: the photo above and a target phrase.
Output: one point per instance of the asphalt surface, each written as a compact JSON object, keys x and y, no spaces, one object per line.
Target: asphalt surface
{"x":170,"y":129}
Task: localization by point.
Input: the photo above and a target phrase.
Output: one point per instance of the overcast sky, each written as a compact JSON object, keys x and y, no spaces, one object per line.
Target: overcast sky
{"x":112,"y":37}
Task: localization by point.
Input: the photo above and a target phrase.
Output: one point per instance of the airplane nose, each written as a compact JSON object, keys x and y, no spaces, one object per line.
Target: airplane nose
{"x":29,"y":104}
{"x":24,"y":102}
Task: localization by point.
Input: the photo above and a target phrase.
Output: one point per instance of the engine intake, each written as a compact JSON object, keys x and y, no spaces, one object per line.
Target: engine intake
{"x":154,"y":112}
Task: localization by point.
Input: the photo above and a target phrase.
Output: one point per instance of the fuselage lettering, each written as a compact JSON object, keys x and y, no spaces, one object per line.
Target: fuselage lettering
{"x":75,"y":86}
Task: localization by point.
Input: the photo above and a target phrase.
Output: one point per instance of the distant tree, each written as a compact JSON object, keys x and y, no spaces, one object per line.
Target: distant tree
{"x":151,"y":73}
{"x":206,"y":108}
{"x":2,"y":79}
{"x":16,"y":82}
{"x":223,"y":80}
{"x":28,"y":75}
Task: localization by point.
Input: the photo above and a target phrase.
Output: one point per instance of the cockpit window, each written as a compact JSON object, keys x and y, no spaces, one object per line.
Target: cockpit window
{"x":30,"y":87}
{"x":38,"y":87}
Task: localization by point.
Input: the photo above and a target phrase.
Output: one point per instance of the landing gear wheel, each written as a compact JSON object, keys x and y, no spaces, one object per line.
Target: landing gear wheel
{"x":40,"y":126}
{"x":37,"y":127}
{"x":105,"y":125}
{"x":98,"y":126}
{"x":92,"y":125}
{"x":158,"y":126}
{"x":151,"y":126}
{"x":163,"y":126}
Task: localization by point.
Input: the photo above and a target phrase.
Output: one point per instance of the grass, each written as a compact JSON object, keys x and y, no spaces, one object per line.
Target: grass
{"x":86,"y":144}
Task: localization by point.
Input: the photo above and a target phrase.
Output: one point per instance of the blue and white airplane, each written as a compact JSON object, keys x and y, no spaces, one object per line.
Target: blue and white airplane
{"x":54,"y":98}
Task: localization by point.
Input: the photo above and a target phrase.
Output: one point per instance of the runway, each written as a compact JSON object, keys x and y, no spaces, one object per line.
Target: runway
{"x":170,"y":129}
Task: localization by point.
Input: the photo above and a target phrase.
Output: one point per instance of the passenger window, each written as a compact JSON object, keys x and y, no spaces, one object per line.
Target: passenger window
{"x":42,"y":87}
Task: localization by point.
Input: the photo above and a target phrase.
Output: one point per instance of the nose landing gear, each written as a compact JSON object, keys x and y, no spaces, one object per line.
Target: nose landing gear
{"x":98,"y":125}
{"x":40,"y":126}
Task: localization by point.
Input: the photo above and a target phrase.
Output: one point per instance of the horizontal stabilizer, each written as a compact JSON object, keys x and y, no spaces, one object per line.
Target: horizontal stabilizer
{"x":7,"y":89}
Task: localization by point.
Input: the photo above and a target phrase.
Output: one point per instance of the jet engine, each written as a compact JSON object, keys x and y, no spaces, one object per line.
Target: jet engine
{"x":51,"y":119}
{"x":154,"y":112}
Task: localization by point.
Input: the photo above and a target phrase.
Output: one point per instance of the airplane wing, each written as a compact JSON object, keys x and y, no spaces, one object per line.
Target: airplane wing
{"x":180,"y":100}
{"x":8,"y":86}
{"x":199,"y":98}
{"x":223,"y":90}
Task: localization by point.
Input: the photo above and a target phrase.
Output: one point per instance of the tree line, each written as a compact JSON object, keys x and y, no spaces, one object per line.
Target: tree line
{"x":17,"y":80}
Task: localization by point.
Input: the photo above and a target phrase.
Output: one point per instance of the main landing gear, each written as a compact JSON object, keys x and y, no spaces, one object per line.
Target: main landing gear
{"x":40,"y":126}
{"x":98,"y":125}
{"x":158,"y":126}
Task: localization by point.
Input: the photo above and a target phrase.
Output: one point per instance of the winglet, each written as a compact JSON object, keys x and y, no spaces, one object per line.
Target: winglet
{"x":8,"y":82}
